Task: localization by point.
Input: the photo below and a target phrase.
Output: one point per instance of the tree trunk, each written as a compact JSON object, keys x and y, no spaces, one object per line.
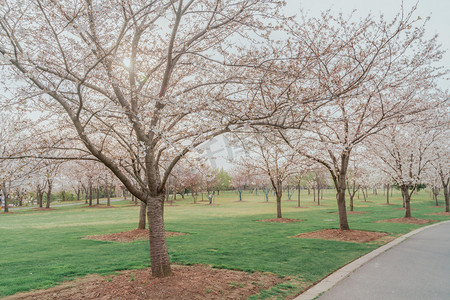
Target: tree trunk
{"x":159,"y":255}
{"x":343,"y":222}
{"x":406,"y":199}
{"x":314,"y":193}
{"x":78,"y":194}
{"x":142,"y":215}
{"x":298,"y":189}
{"x":446,"y":199}
{"x":446,"y":195}
{"x":240,"y":195}
{"x":49,"y":193}
{"x":6,"y":203}
{"x":90,"y":195}
{"x":98,"y":195}
{"x":63,"y":195}
{"x":351,"y":202}
{"x":279,"y":194}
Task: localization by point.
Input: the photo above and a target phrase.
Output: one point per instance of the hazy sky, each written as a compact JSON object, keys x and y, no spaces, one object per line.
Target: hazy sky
{"x":437,"y":10}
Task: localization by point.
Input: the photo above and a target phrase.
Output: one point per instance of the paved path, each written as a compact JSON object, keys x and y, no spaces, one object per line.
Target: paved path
{"x":417,"y":268}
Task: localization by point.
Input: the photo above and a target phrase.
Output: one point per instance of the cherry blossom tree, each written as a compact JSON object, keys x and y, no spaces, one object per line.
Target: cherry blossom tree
{"x":405,"y":153}
{"x":266,"y":157}
{"x":141,"y":83}
{"x":373,"y":72}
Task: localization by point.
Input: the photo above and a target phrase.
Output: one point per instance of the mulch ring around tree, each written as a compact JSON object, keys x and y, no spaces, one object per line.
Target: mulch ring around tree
{"x":355,"y":236}
{"x":129,"y":236}
{"x":42,"y":209}
{"x":409,"y":220}
{"x":99,"y":206}
{"x":440,"y":214}
{"x":281,"y":220}
{"x":187,"y":282}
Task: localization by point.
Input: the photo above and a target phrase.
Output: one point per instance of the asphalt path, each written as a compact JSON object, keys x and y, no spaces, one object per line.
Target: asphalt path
{"x":417,"y":268}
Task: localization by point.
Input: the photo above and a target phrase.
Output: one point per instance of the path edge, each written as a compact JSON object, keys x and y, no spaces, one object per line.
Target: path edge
{"x":343,"y":272}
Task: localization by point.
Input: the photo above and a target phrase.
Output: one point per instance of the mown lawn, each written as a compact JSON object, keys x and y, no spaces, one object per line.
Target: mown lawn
{"x":39,"y":249}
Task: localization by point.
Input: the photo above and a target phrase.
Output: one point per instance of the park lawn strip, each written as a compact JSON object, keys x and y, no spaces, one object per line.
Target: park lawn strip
{"x":43,"y":249}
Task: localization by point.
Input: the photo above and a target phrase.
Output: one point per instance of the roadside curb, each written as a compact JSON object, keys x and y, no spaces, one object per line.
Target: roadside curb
{"x":334,"y":278}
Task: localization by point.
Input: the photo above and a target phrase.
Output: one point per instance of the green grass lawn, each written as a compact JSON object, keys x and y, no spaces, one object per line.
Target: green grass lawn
{"x":39,"y":249}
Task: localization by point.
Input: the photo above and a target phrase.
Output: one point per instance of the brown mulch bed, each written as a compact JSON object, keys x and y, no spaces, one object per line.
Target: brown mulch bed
{"x":440,"y":214}
{"x":99,"y":206}
{"x":281,"y":220}
{"x":355,"y":236}
{"x":188,"y":282}
{"x":402,"y":208}
{"x":129,"y":236}
{"x":410,"y":220}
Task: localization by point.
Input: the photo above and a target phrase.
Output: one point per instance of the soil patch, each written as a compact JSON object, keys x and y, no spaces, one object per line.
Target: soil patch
{"x":99,"y":206}
{"x":355,"y":236}
{"x":410,"y":220}
{"x":281,"y":220}
{"x":440,"y":214}
{"x":188,"y":282}
{"x":42,"y":209}
{"x":129,"y":236}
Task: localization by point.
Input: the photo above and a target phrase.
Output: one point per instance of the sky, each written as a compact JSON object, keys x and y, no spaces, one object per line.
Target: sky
{"x":218,"y":150}
{"x":437,"y":10}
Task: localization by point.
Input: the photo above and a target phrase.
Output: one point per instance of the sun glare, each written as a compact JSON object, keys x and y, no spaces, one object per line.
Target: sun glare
{"x":127,"y":62}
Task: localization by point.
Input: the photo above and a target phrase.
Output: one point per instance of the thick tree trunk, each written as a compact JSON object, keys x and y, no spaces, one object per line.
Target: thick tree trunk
{"x":5,"y":200}
{"x":298,"y":197}
{"x":343,"y":222}
{"x":158,"y":248}
{"x":142,"y":215}
{"x":49,"y":194}
{"x":406,"y":199}
{"x":78,"y":194}
{"x":279,"y":195}
{"x":339,"y":182}
{"x":98,"y":195}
